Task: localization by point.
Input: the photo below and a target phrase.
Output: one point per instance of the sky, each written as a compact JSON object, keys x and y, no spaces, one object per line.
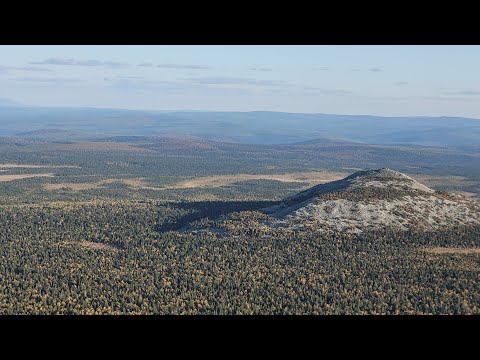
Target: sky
{"x":381,"y":80}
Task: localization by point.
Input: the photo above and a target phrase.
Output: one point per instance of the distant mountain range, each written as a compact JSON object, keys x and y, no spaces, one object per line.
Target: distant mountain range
{"x":258,"y":127}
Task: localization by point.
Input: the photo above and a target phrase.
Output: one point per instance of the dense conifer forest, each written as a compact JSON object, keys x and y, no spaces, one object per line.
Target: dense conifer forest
{"x":119,"y":247}
{"x":117,"y":258}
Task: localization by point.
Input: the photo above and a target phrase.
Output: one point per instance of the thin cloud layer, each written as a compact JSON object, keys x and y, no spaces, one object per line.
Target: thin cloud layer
{"x":171,"y":87}
{"x":322,"y":91}
{"x":435,"y":98}
{"x":23,"y":68}
{"x":42,"y":80}
{"x":183,"y":66}
{"x":261,"y":69}
{"x":76,"y":62}
{"x":224,"y":80}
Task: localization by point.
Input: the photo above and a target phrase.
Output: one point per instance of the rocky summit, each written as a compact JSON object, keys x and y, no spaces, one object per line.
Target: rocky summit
{"x":373,"y":199}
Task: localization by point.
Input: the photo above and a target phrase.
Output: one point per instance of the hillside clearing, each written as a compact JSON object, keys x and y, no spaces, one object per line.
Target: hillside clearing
{"x":311,"y":178}
{"x":5,"y":178}
{"x":448,"y":250}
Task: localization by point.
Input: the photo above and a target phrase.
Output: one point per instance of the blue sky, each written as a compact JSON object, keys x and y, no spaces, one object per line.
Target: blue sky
{"x":376,"y":80}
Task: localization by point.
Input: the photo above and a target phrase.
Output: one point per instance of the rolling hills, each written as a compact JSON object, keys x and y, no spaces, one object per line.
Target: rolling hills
{"x":257,"y":127}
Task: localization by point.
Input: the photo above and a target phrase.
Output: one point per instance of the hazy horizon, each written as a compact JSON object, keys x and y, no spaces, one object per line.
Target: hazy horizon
{"x":227,"y":111}
{"x":372,"y":80}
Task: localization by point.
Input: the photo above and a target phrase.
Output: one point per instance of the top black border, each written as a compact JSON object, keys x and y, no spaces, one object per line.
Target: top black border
{"x":239,"y":23}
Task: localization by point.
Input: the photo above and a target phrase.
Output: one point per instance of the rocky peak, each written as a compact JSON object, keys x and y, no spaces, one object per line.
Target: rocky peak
{"x":373,"y":199}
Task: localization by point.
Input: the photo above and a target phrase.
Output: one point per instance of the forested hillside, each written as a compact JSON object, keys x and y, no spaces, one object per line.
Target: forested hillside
{"x":114,"y":258}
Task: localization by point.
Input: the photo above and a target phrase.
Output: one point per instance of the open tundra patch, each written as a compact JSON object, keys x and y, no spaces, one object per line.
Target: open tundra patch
{"x":449,"y":250}
{"x":5,"y":178}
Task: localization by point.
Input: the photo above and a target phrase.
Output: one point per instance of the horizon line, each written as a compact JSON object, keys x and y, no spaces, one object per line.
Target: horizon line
{"x":21,"y":105}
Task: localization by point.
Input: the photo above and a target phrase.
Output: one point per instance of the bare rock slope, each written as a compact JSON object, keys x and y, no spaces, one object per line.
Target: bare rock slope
{"x":373,"y":199}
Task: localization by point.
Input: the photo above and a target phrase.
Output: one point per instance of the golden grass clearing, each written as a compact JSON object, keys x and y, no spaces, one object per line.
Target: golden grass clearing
{"x":312,"y":178}
{"x":5,"y":178}
{"x":446,"y":250}
{"x":139,"y":183}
